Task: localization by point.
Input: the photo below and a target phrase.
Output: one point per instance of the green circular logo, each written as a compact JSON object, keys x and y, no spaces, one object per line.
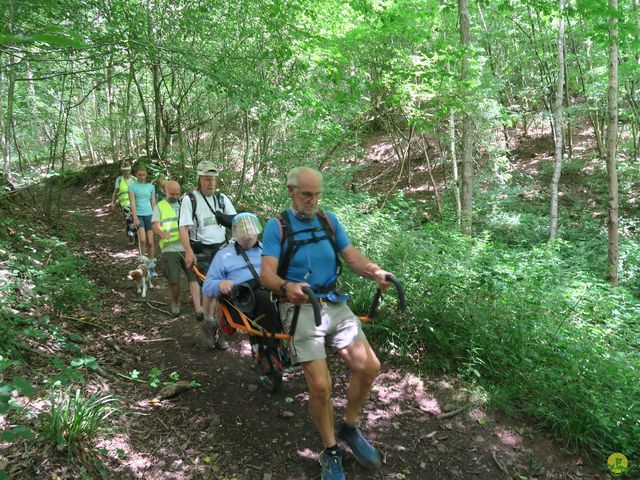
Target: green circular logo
{"x":617,"y":463}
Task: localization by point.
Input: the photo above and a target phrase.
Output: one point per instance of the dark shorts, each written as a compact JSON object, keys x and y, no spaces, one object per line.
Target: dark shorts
{"x":171,"y":264}
{"x":145,"y":222}
{"x":204,"y":255}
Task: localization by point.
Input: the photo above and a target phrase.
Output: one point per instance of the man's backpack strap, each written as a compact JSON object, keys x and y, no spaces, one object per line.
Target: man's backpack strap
{"x":284,"y":222}
{"x":194,"y":206}
{"x":220,"y":201}
{"x":328,"y":226}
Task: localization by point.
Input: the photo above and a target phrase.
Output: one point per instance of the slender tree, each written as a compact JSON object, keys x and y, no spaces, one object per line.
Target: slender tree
{"x":467,"y":121}
{"x":557,"y":125}
{"x":612,"y":144}
{"x":8,"y":127}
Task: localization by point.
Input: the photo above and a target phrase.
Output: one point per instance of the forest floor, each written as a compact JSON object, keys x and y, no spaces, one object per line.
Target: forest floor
{"x":229,"y":428}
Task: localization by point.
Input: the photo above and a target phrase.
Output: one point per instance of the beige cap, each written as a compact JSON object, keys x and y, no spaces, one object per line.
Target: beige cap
{"x":207,"y":169}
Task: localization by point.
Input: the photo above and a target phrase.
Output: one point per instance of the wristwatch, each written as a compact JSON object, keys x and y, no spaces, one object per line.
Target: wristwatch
{"x":283,"y":288}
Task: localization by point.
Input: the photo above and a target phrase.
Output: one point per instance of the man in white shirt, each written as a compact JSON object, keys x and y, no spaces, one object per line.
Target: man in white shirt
{"x":202,"y":234}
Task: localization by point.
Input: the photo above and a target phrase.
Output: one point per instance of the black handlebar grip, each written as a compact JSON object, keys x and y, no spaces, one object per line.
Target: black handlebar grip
{"x":399,"y":290}
{"x":378,"y":295}
{"x":317,"y":311}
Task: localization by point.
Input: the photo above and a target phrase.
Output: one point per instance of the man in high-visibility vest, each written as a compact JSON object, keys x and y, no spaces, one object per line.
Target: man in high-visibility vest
{"x":121,"y":192}
{"x":164,"y":222}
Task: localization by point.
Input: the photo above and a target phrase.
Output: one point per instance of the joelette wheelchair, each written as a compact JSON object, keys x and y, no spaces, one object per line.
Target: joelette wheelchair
{"x":269,"y":343}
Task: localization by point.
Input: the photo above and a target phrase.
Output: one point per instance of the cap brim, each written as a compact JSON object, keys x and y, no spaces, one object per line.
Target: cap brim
{"x":207,"y":174}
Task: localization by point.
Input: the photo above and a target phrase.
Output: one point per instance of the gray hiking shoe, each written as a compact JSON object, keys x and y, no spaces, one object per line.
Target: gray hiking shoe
{"x":208,"y":328}
{"x":175,"y":310}
{"x":221,"y":342}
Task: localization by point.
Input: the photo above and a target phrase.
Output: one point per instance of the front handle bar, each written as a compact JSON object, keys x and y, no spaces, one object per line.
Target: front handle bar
{"x":378,"y":295}
{"x":317,"y":311}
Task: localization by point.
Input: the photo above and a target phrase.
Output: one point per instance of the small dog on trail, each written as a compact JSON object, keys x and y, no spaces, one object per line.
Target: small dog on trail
{"x":141,"y":275}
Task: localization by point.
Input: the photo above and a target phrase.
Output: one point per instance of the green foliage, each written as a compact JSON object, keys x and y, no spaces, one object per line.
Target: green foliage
{"x":155,"y":378}
{"x":45,"y":274}
{"x":39,"y":275}
{"x":62,"y":285}
{"x":533,"y":324}
{"x":73,"y":420}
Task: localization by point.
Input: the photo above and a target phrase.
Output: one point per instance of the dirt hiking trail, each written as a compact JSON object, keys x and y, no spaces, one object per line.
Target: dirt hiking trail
{"x":229,"y":428}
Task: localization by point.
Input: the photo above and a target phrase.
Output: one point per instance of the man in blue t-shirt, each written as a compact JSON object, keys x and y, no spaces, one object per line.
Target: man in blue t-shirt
{"x":314,"y":264}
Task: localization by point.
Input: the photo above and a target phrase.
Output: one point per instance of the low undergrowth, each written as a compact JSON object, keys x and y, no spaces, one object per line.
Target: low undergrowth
{"x":536,"y":326}
{"x":42,"y":281}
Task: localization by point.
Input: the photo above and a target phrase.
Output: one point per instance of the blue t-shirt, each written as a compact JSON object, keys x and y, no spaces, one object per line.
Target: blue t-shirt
{"x":228,"y":264}
{"x":313,"y":263}
{"x":142,"y":193}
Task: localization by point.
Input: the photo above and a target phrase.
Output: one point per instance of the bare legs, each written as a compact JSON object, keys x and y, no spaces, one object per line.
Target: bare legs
{"x":146,"y":242}
{"x":364,"y":367}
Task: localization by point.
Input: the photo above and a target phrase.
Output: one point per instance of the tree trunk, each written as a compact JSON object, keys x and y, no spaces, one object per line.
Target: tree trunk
{"x":145,"y":111}
{"x":4,"y":145}
{"x":245,"y":157}
{"x":467,"y":122}
{"x":8,"y":120}
{"x":612,"y":144}
{"x":454,"y":166}
{"x":436,"y":193}
{"x":127,"y":134}
{"x":567,"y":98}
{"x":110,"y":104}
{"x":157,"y":100}
{"x":591,"y":112}
{"x":88,"y":133}
{"x":557,"y":126}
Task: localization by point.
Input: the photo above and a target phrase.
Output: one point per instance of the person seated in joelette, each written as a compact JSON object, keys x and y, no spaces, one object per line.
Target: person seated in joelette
{"x":230,"y":268}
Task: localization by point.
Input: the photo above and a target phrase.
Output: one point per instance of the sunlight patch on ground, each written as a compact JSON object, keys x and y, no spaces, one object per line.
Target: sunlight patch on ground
{"x":4,"y":422}
{"x":478,"y":415}
{"x":391,"y":390}
{"x":374,"y":417}
{"x":445,"y":385}
{"x":117,"y":309}
{"x":101,"y":212}
{"x":132,"y":337}
{"x":421,"y":188}
{"x":507,"y":437}
{"x":125,"y":256}
{"x":245,"y":348}
{"x":119,"y":448}
{"x":308,"y":454}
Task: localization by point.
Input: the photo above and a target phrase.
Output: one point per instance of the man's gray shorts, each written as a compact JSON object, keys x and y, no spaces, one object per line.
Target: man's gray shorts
{"x":171,"y":264}
{"x":339,"y":328}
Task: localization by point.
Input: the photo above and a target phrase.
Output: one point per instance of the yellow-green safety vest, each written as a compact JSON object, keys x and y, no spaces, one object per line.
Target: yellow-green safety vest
{"x":168,"y":223}
{"x":123,"y":193}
